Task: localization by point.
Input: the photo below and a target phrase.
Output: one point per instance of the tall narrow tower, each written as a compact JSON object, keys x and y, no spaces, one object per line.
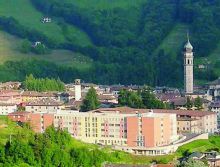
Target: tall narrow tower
{"x":188,"y":67}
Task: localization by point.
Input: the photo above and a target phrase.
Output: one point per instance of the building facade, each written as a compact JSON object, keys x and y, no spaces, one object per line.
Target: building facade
{"x":189,"y":121}
{"x":106,"y":127}
{"x":6,"y":109}
{"x":44,"y":106}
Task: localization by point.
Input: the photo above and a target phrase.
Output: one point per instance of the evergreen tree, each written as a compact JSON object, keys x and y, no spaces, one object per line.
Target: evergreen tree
{"x":25,"y":46}
{"x":91,"y":101}
{"x":198,"y":103}
{"x":42,"y":84}
{"x":189,"y":103}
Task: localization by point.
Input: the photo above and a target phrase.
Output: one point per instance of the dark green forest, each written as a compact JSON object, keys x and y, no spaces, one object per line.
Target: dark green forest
{"x":124,"y":41}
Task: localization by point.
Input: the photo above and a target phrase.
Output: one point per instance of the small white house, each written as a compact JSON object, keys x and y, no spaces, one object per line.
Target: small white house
{"x":46,"y":20}
{"x":6,"y":109}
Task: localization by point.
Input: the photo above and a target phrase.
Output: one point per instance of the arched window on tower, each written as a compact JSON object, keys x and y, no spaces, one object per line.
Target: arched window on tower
{"x":188,"y":62}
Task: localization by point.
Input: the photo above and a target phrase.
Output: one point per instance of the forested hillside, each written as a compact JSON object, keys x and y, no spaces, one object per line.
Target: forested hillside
{"x":128,"y":42}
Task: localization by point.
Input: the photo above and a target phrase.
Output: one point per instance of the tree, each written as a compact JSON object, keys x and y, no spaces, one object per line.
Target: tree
{"x":189,"y":103}
{"x":198,"y":103}
{"x":25,"y":46}
{"x":192,"y":163}
{"x":41,"y":84}
{"x":91,"y":101}
{"x":150,"y":101}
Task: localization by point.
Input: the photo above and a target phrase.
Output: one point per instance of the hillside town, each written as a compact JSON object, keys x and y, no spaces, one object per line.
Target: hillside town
{"x":193,"y":113}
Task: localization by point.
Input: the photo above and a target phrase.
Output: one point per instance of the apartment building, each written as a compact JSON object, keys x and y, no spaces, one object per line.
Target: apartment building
{"x":109,"y":127}
{"x":189,"y":121}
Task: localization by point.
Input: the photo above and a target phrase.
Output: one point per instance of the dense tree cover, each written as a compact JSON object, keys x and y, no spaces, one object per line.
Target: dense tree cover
{"x":192,"y":163}
{"x":91,"y":101}
{"x":189,"y":103}
{"x":198,"y":103}
{"x":125,"y":39}
{"x":52,"y":148}
{"x":26,"y":47}
{"x":41,"y":84}
{"x":141,"y":99}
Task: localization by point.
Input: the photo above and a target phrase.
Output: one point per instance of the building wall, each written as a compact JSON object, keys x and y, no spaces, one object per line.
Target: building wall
{"x":48,"y":120}
{"x":94,"y":128}
{"x":132,"y":131}
{"x":42,"y":109}
{"x":6,"y":109}
{"x":148,"y":127}
{"x":78,"y":92}
{"x":35,"y":122}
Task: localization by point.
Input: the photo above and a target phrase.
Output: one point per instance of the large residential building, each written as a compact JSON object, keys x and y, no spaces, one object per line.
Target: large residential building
{"x":115,"y":128}
{"x":109,"y":127}
{"x":139,"y":131}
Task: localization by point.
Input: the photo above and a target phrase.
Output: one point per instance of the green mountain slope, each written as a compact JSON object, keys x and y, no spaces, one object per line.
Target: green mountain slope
{"x":9,"y":51}
{"x":28,"y":16}
{"x":173,"y":42}
{"x":129,"y":42}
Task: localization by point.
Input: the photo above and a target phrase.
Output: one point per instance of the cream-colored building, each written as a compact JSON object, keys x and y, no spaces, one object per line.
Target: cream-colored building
{"x":112,"y":127}
{"x":43,"y":106}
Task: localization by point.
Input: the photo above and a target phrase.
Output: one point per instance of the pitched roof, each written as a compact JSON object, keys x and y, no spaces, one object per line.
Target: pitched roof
{"x":128,"y":110}
{"x":44,"y":102}
{"x":215,"y":104}
{"x":215,"y":82}
{"x":39,"y":94}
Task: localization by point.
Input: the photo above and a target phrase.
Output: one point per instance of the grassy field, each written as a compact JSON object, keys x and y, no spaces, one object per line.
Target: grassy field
{"x":106,"y":4}
{"x":28,"y":16}
{"x":9,"y":50}
{"x":213,"y":143}
{"x":174,"y":41}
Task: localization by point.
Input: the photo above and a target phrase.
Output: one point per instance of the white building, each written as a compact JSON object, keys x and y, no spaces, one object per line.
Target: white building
{"x":188,"y":68}
{"x":214,"y":89}
{"x":43,"y":106}
{"x":6,"y":109}
{"x":78,"y":90}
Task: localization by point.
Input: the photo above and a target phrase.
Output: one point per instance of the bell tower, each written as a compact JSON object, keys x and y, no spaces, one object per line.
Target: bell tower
{"x":188,"y":67}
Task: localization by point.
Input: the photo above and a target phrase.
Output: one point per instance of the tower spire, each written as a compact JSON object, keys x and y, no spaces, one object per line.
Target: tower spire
{"x":188,"y":35}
